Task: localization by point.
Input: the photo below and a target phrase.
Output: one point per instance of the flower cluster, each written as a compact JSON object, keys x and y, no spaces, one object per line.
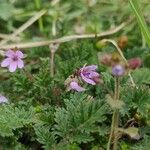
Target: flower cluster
{"x":118,"y":66}
{"x":87,"y":74}
{"x":13,"y":60}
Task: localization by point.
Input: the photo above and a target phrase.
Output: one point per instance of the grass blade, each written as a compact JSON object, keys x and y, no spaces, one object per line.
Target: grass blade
{"x":140,"y":18}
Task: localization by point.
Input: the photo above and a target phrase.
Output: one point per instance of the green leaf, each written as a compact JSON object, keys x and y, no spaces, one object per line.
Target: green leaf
{"x":45,"y":137}
{"x":12,"y":118}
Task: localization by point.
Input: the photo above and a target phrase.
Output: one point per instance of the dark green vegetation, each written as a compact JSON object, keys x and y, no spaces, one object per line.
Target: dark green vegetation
{"x":41,"y":114}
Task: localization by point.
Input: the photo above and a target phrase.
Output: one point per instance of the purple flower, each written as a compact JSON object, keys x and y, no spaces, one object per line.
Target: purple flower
{"x":3,"y":99}
{"x":89,"y":74}
{"x":118,"y":70}
{"x":75,"y":86}
{"x":13,"y":60}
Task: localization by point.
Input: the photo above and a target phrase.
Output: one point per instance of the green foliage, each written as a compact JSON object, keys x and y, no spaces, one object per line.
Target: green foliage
{"x":143,"y":145}
{"x":147,"y":61}
{"x":45,"y":137}
{"x":13,"y":118}
{"x":79,"y":119}
{"x":141,"y":76}
{"x":136,"y":99}
{"x":73,"y":56}
{"x":4,"y":7}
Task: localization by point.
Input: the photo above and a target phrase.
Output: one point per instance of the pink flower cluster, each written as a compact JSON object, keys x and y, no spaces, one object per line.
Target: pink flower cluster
{"x":88,"y":74}
{"x":13,"y":60}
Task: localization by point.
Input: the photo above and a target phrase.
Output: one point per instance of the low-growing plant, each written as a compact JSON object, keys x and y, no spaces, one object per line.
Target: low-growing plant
{"x":86,"y":94}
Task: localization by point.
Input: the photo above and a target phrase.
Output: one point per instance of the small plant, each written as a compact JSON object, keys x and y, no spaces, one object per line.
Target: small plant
{"x":74,"y":75}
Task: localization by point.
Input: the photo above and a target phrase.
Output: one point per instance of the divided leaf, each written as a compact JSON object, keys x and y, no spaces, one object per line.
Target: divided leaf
{"x":78,"y":120}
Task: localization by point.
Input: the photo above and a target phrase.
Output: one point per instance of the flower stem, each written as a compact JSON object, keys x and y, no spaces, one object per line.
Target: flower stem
{"x":116,"y":113}
{"x":111,"y":132}
{"x":115,"y":119}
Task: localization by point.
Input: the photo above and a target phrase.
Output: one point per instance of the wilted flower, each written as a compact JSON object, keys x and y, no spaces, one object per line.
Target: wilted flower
{"x":106,"y":59}
{"x":3,"y":99}
{"x":75,"y":86}
{"x":89,"y":74}
{"x":118,"y":70}
{"x":13,"y":60}
{"x":134,"y":63}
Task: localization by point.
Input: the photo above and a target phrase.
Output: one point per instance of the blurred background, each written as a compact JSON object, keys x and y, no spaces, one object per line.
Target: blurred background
{"x":66,"y":17}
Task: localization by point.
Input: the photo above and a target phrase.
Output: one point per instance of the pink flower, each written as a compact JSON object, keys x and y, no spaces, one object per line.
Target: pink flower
{"x":89,"y":74}
{"x":75,"y":86}
{"x":13,"y":60}
{"x":3,"y":99}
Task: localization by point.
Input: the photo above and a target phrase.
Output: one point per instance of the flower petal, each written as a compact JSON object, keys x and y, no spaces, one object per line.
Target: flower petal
{"x":19,"y":54}
{"x":93,"y":74}
{"x":91,"y":67}
{"x":87,"y":80}
{"x":13,"y":66}
{"x":6,"y":62}
{"x":74,"y":86}
{"x":10,"y":53}
{"x":20,"y":63}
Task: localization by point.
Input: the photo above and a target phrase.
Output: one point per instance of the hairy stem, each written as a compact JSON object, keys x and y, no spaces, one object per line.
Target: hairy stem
{"x":111,"y":132}
{"x":116,"y":114}
{"x":115,"y":119}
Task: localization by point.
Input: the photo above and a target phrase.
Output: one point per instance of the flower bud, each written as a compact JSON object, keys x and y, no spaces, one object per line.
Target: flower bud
{"x":106,"y":59}
{"x":122,"y":41}
{"x":100,"y":44}
{"x":118,"y":70}
{"x":134,"y":63}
